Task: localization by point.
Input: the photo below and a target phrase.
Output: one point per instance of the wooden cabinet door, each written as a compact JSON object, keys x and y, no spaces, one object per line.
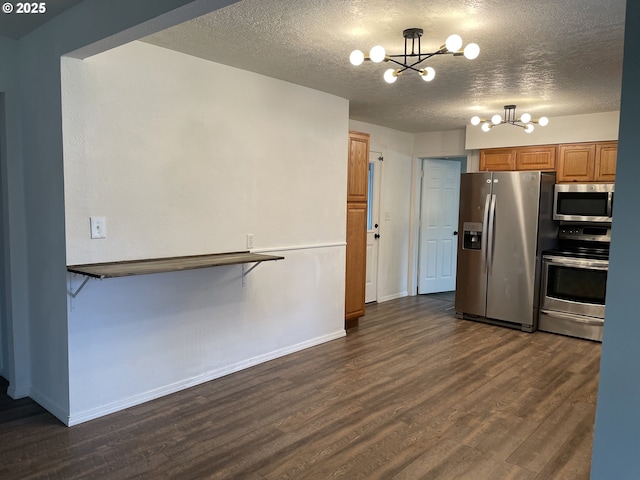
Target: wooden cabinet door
{"x":358,"y":167}
{"x":498,"y":159}
{"x":539,"y":157}
{"x":606,"y":156}
{"x":356,"y":251}
{"x":576,"y":162}
{"x":356,"y":260}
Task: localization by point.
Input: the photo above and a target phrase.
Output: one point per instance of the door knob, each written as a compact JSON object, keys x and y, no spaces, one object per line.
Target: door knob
{"x":455,"y":233}
{"x":375,"y":226}
{"x":376,"y":236}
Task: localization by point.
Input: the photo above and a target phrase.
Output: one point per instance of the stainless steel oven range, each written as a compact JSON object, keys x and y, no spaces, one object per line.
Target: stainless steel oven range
{"x":574,"y":280}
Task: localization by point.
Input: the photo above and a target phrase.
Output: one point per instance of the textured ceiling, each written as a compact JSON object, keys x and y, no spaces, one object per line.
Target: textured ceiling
{"x":549,"y":57}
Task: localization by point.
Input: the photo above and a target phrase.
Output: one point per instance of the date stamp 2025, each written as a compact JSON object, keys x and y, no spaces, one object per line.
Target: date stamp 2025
{"x":20,"y":8}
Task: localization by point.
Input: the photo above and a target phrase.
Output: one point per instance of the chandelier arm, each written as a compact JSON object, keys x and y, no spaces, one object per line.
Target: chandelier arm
{"x":423,"y":56}
{"x":405,"y":66}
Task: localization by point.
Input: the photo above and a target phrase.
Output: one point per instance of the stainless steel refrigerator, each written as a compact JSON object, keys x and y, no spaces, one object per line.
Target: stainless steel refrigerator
{"x":505,"y":223}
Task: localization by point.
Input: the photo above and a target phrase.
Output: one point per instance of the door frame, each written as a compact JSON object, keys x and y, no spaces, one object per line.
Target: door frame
{"x":466,"y":164}
{"x":373,"y":203}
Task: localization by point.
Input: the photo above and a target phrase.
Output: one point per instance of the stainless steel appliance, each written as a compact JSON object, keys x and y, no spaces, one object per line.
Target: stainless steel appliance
{"x":506,"y":222}
{"x":583,"y":202}
{"x":574,"y":281}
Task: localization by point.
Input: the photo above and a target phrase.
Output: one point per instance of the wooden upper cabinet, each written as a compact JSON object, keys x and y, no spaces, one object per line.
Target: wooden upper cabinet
{"x":498,"y":159}
{"x":606,"y":156}
{"x":539,"y":157}
{"x":576,"y":162}
{"x":358,"y":167}
{"x":572,"y":162}
{"x":587,"y":162}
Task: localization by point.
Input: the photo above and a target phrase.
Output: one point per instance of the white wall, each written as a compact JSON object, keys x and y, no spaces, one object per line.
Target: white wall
{"x":184,"y":156}
{"x":395,"y":198}
{"x":448,"y":143}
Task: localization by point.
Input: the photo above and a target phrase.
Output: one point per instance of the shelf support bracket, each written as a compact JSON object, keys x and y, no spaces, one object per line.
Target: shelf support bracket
{"x":245,"y":271}
{"x":74,"y":294}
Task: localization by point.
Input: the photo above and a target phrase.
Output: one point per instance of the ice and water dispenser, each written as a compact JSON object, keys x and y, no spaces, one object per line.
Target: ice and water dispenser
{"x":472,"y":236}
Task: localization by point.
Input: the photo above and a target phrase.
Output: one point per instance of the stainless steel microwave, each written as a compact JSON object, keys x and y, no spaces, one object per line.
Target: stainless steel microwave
{"x":583,"y":202}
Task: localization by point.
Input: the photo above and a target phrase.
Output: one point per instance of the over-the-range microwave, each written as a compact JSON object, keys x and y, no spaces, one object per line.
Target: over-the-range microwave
{"x":583,"y":202}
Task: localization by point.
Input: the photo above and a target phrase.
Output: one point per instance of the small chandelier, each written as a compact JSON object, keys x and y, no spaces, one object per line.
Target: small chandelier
{"x":525,"y":121}
{"x":412,"y":58}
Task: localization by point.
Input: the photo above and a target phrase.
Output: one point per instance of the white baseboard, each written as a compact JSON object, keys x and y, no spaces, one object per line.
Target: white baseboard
{"x":76,"y":418}
{"x":386,"y":298}
{"x":17,"y":393}
{"x":49,"y":405}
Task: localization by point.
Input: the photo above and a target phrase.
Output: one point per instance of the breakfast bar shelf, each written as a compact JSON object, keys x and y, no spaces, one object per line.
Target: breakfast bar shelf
{"x":170,"y":264}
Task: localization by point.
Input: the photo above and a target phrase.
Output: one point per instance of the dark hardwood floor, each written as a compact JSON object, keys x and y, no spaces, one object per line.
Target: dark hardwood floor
{"x":411,"y":393}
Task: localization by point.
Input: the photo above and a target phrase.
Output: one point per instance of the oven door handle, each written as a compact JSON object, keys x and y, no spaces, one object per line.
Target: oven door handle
{"x":576,"y":263}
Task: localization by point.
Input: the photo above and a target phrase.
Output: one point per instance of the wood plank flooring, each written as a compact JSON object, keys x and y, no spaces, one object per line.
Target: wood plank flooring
{"x":411,"y":393}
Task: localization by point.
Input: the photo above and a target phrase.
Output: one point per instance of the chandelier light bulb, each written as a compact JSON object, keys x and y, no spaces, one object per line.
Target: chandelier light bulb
{"x":390,"y":76}
{"x":472,"y":51}
{"x":453,"y":43}
{"x":496,"y":119}
{"x":475,"y":120}
{"x":529,"y":128}
{"x":525,"y":118}
{"x":543,"y":122}
{"x":377,"y":54}
{"x":356,"y":58}
{"x":486,"y":126}
{"x":428,"y":74}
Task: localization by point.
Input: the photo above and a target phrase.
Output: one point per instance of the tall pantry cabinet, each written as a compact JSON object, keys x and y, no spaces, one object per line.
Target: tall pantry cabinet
{"x":356,"y":253}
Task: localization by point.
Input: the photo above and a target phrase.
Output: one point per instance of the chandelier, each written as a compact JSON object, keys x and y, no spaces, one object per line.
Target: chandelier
{"x":525,"y":121}
{"x":413,"y":57}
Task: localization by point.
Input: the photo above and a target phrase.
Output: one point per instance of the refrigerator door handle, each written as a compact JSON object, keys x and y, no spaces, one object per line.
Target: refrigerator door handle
{"x":492,"y":218}
{"x":485,"y":226}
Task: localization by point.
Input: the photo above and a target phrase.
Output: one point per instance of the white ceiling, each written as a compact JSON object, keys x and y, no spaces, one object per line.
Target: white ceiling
{"x":549,"y":57}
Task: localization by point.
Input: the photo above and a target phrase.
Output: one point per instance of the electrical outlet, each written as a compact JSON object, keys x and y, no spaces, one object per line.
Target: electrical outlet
{"x":98,"y":227}
{"x":249,"y":240}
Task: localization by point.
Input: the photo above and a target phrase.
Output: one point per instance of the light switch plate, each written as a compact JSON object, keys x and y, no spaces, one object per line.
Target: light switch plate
{"x":98,"y":227}
{"x":249,"y":240}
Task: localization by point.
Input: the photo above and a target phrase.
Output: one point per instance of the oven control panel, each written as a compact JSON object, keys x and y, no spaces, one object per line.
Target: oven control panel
{"x":585,"y":233}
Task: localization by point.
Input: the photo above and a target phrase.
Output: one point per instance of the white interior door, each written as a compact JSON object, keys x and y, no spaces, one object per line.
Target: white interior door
{"x":440,"y":197}
{"x":373,"y":228}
